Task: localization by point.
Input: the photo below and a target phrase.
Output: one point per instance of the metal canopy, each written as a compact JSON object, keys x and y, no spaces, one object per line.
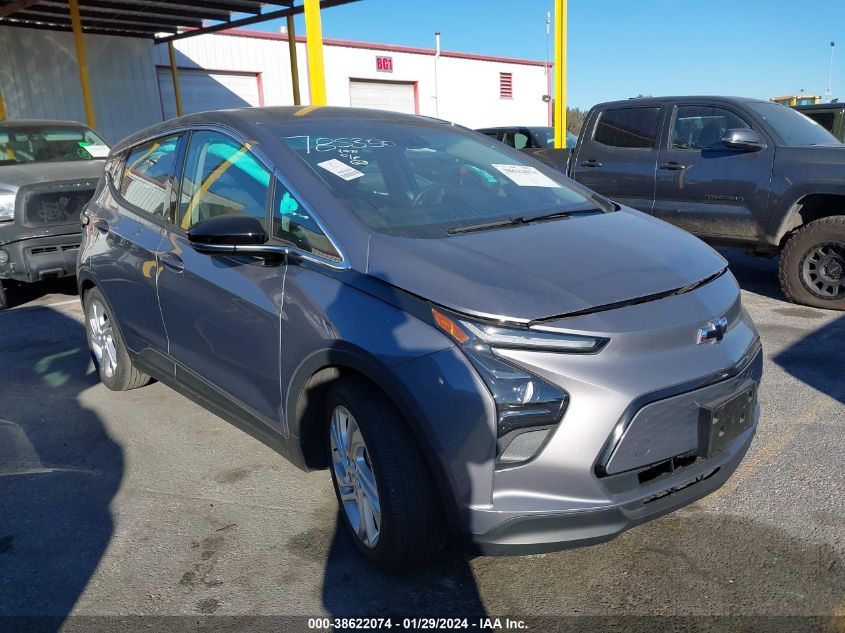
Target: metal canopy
{"x":160,"y":20}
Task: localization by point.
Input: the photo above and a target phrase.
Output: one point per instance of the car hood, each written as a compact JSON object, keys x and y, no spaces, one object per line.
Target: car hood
{"x":546,"y":269}
{"x":16,"y":176}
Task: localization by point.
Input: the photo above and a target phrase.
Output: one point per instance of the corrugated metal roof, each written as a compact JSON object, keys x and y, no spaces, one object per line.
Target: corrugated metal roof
{"x":155,"y":19}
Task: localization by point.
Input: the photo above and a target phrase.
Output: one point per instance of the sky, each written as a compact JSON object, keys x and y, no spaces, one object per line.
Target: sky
{"x":621,"y":48}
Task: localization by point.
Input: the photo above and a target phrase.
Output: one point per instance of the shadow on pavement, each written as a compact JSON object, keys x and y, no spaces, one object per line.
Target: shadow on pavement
{"x":691,"y":563}
{"x":352,"y":587}
{"x":818,"y":359}
{"x":20,"y":294}
{"x":59,"y":470}
{"x":755,"y":274}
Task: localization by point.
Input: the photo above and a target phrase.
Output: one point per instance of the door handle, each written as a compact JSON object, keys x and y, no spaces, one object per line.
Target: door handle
{"x":672,"y":166}
{"x":172,"y":261}
{"x":590,"y":163}
{"x":102,"y":226}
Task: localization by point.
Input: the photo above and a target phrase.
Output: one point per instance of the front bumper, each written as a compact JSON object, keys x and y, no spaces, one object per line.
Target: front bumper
{"x":540,"y":533}
{"x":41,"y":257}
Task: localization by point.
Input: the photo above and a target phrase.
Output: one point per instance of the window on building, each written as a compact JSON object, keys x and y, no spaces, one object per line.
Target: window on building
{"x":628,"y":127}
{"x":506,"y":85}
{"x":148,"y":167}
{"x":222,"y":177}
{"x":292,"y":223}
{"x":699,"y":127}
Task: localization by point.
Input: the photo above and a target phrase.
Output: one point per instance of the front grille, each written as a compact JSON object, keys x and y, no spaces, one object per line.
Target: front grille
{"x":43,"y":250}
{"x":670,"y":491}
{"x":52,"y":203}
{"x":667,"y":467}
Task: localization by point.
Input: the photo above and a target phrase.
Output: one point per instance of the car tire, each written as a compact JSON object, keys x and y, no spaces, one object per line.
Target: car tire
{"x":811,"y":263}
{"x":411,"y":525}
{"x":107,"y":347}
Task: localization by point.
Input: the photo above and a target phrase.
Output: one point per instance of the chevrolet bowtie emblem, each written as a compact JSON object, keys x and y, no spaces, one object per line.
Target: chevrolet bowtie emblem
{"x":713,"y":332}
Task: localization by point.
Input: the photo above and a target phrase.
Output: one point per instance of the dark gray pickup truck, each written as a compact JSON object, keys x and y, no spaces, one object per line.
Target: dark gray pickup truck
{"x":48,"y":171}
{"x":733,"y":171}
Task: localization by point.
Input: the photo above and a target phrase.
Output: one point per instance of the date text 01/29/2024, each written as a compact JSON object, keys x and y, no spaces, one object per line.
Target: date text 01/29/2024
{"x":417,"y":624}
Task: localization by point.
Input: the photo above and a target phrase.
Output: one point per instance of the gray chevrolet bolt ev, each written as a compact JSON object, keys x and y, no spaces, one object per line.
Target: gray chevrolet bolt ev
{"x":470,"y":342}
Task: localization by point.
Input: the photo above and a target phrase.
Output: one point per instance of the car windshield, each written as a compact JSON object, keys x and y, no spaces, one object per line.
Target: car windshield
{"x":48,"y":144}
{"x":427,"y":179}
{"x":546,"y":135}
{"x":791,"y":126}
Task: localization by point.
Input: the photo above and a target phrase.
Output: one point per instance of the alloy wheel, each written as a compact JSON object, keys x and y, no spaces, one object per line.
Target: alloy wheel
{"x":102,"y":338}
{"x":823,"y":270}
{"x":356,"y":481}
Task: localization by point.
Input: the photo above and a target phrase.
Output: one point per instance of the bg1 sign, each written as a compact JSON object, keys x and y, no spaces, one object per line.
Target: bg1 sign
{"x":384,"y":64}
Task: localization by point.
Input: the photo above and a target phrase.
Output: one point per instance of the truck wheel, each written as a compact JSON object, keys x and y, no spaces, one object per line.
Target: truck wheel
{"x":812,"y":264}
{"x":387,"y":496}
{"x":107,"y":348}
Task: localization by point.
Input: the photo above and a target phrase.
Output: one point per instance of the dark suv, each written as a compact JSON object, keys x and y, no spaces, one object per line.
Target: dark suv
{"x":421,"y":310}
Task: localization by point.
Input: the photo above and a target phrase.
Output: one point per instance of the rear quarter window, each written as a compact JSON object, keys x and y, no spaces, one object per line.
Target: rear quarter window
{"x":630,"y":128}
{"x":825,"y":119}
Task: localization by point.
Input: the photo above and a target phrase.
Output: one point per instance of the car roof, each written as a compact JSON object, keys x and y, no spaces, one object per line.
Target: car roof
{"x":39,"y":122}
{"x":500,"y":128}
{"x":251,"y":120}
{"x":821,"y":106}
{"x":661,"y":100}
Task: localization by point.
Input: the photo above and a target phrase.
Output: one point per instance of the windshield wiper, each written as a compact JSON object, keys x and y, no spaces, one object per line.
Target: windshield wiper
{"x":469,"y":228}
{"x":554,"y":215}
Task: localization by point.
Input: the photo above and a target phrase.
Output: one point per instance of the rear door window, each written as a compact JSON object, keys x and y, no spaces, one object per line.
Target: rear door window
{"x":146,"y":175}
{"x":825,"y":119}
{"x":630,"y":128}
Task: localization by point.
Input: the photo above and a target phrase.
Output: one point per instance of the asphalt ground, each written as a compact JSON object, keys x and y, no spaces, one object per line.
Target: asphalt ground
{"x":141,"y":503}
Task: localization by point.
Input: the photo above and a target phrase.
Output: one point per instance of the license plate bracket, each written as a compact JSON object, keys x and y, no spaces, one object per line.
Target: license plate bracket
{"x":722,"y":421}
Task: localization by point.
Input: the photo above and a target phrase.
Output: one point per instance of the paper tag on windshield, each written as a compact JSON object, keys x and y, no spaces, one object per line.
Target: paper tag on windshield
{"x":341,"y":169}
{"x":97,"y":151}
{"x":526,"y":176}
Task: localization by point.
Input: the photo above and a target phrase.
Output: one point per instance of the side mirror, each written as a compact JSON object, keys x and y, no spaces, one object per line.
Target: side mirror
{"x":224,"y":233}
{"x":744,"y":139}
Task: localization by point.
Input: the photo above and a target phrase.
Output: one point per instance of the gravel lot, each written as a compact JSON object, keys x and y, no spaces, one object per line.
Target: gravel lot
{"x":143,"y":503}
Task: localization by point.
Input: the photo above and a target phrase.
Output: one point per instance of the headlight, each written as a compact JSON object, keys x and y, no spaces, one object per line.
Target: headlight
{"x":7,"y":206}
{"x":527,"y":406}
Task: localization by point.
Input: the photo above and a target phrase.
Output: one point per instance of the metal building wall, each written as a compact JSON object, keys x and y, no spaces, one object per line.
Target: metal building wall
{"x":267,"y":58}
{"x":43,"y":80}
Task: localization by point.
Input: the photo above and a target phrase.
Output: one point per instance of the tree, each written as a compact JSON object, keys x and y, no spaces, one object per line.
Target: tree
{"x":575,"y":118}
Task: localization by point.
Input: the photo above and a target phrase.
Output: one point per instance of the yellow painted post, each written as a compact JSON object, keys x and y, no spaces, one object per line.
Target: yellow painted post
{"x":560,"y":73}
{"x":294,"y":64}
{"x":76,"y":23}
{"x":2,"y":107}
{"x":174,"y":73}
{"x":314,"y":45}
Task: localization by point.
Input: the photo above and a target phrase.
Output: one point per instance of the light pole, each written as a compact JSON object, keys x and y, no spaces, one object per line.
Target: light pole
{"x":829,"y":92}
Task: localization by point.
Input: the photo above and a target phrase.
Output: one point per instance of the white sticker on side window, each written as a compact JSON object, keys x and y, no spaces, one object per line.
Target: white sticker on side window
{"x":526,"y":176}
{"x":97,"y":151}
{"x":340,"y":170}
